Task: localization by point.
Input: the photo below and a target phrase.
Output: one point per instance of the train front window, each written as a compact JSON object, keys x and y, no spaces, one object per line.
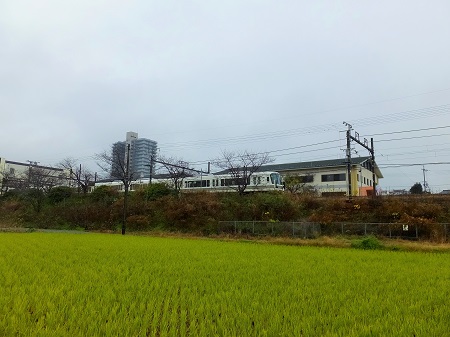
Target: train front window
{"x":275,"y":178}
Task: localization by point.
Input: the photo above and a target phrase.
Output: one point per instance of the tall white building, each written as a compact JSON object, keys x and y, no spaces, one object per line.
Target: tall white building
{"x":141,"y":150}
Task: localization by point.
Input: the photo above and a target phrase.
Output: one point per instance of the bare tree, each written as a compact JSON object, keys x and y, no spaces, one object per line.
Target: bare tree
{"x":241,"y":166}
{"x":10,"y":181}
{"x":43,"y":179}
{"x":299,"y":183}
{"x":82,"y":177}
{"x":177,"y":170}
{"x":37,"y":181}
{"x":117,"y":164}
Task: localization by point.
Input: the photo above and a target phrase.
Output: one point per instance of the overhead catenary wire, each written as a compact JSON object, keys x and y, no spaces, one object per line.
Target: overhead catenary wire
{"x":389,"y":118}
{"x":412,"y":164}
{"x":412,"y":130}
{"x":278,"y":152}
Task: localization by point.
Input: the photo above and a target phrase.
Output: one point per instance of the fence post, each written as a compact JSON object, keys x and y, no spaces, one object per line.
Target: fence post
{"x":365,"y":229}
{"x":253,"y":230}
{"x":417,"y":232}
{"x":235,"y":230}
{"x":445,"y":232}
{"x":304,"y":230}
{"x":390,"y":234}
{"x":293,"y":230}
{"x":342,"y":228}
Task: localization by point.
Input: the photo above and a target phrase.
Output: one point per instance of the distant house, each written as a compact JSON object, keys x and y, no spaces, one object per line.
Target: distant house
{"x":329,"y":177}
{"x":16,"y":175}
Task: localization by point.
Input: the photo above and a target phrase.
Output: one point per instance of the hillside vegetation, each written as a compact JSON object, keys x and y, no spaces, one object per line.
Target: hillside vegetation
{"x":157,"y":207}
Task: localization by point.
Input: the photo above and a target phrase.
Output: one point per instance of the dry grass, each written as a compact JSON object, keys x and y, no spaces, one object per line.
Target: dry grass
{"x":425,"y":246}
{"x":323,"y":241}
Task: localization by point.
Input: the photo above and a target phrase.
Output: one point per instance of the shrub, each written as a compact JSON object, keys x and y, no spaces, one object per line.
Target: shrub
{"x":367,"y":243}
{"x":11,"y":194}
{"x":105,"y":194}
{"x":191,"y":211}
{"x":274,"y":206}
{"x":138,"y":222}
{"x":155,"y":191}
{"x":58,"y":194}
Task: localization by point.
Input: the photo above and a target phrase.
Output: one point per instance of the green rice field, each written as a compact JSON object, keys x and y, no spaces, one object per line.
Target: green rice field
{"x":55,"y":284}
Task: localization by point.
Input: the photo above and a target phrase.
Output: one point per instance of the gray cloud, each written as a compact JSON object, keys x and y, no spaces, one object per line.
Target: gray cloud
{"x":78,"y":74}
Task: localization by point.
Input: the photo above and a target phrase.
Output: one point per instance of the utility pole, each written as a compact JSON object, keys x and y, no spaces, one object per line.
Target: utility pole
{"x":151,"y":170}
{"x":79,"y":179}
{"x":126,"y":185}
{"x":349,"y":161}
{"x":371,"y":150}
{"x":425,"y":183}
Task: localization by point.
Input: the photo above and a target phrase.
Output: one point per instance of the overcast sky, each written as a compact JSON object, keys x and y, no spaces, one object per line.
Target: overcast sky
{"x":201,"y":77}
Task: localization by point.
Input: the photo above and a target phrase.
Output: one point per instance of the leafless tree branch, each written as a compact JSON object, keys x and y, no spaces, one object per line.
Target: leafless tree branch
{"x":81,"y":176}
{"x":177,"y":170}
{"x":241,"y":166}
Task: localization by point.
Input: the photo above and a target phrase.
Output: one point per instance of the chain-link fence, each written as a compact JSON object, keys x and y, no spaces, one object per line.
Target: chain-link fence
{"x":438,"y":231}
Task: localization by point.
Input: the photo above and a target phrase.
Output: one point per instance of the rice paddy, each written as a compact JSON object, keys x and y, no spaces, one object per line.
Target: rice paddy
{"x":56,"y":284}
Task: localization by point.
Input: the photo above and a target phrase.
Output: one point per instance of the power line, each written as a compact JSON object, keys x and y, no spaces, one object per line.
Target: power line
{"x":335,"y":109}
{"x":278,"y":154}
{"x":401,"y":116}
{"x":412,"y":164}
{"x":412,"y":130}
{"x":368,"y":121}
{"x":417,"y":137}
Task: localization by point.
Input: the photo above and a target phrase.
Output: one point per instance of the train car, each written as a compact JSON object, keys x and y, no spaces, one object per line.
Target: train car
{"x":114,"y":184}
{"x":259,"y":181}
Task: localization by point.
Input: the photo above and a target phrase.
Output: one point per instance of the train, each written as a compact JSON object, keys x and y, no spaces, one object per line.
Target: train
{"x":258,"y":181}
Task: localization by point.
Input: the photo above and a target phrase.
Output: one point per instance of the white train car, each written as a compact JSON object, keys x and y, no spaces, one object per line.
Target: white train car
{"x":259,"y":181}
{"x":114,"y":184}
